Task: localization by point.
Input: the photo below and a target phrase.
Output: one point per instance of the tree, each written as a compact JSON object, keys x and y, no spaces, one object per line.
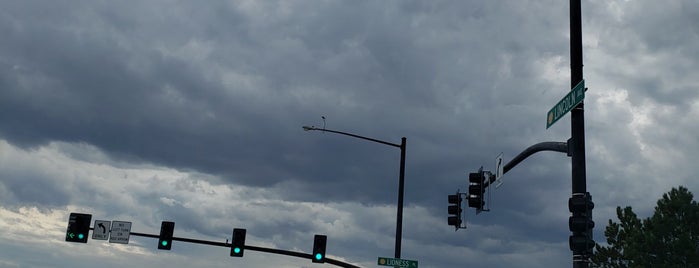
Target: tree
{"x":670,"y":238}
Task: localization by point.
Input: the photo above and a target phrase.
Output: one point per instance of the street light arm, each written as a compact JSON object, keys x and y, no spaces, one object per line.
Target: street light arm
{"x":561,"y":147}
{"x":307,"y":128}
{"x":401,"y":179}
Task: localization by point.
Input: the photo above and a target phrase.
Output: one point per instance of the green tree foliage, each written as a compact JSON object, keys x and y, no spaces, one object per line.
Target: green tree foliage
{"x":670,"y":238}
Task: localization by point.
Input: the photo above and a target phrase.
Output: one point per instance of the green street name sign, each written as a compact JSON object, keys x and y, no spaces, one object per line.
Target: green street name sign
{"x":397,"y":262}
{"x":576,"y":95}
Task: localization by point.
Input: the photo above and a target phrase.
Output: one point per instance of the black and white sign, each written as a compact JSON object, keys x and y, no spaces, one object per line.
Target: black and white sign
{"x":101,"y":231}
{"x":499,"y":168}
{"x":121,"y":230}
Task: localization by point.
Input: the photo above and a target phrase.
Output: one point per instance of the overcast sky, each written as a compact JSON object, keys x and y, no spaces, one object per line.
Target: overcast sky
{"x":191,"y":111}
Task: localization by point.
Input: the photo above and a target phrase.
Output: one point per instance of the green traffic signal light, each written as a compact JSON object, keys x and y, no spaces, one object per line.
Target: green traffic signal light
{"x":167,"y":229}
{"x":319,"y":243}
{"x":238,"y":242}
{"x":78,"y":227}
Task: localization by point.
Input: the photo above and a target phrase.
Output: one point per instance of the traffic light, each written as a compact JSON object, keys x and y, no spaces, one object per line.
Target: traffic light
{"x":476,"y":190}
{"x":78,"y":227}
{"x":581,"y":224}
{"x":319,"y":242}
{"x":238,"y":246}
{"x":167,"y":229}
{"x":455,"y":210}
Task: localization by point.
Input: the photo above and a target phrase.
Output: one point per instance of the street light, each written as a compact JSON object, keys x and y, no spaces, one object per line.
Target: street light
{"x":401,"y":178}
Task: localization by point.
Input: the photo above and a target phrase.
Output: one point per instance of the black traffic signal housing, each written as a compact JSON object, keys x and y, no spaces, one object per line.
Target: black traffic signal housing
{"x":319,"y":243}
{"x":455,"y":211}
{"x":167,"y":229}
{"x":581,"y":224}
{"x":238,"y":244}
{"x":476,"y":190}
{"x":78,"y":227}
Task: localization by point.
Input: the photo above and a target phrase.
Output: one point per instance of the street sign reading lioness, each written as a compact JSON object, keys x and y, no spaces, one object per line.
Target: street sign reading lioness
{"x":397,"y":262}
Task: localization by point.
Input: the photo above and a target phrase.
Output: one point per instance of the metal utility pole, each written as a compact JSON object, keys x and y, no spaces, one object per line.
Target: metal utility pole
{"x":577,"y":129}
{"x":577,"y":120}
{"x":401,"y":178}
{"x":580,"y":204}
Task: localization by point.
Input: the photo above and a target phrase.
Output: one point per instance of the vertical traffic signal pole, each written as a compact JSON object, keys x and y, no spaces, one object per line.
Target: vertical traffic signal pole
{"x":577,"y":122}
{"x":577,"y":114}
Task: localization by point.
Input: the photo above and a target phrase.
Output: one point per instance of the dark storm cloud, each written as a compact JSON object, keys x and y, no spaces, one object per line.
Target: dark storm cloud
{"x":86,"y":89}
{"x":127,"y":83}
{"x":223,"y":88}
{"x":227,"y":95}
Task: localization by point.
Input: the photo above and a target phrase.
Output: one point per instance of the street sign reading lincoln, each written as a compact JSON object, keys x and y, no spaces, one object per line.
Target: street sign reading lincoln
{"x":574,"y":97}
{"x":383,"y":261}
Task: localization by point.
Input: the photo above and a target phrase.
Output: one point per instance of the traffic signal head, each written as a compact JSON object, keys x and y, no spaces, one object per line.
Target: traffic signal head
{"x":78,"y":227}
{"x":319,"y":242}
{"x":454,"y":210}
{"x":581,"y":224}
{"x":581,"y":206}
{"x":581,"y":244}
{"x":475,"y":178}
{"x":580,"y":203}
{"x":238,"y":245}
{"x":476,"y":190}
{"x":167,"y":229}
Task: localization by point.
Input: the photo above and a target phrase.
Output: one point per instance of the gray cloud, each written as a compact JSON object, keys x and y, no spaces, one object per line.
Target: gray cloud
{"x":150,"y":107}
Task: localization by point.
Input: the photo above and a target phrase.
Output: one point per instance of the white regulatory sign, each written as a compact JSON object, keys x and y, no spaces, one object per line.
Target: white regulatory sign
{"x":101,"y":231}
{"x":121,"y":230}
{"x":499,"y":168}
